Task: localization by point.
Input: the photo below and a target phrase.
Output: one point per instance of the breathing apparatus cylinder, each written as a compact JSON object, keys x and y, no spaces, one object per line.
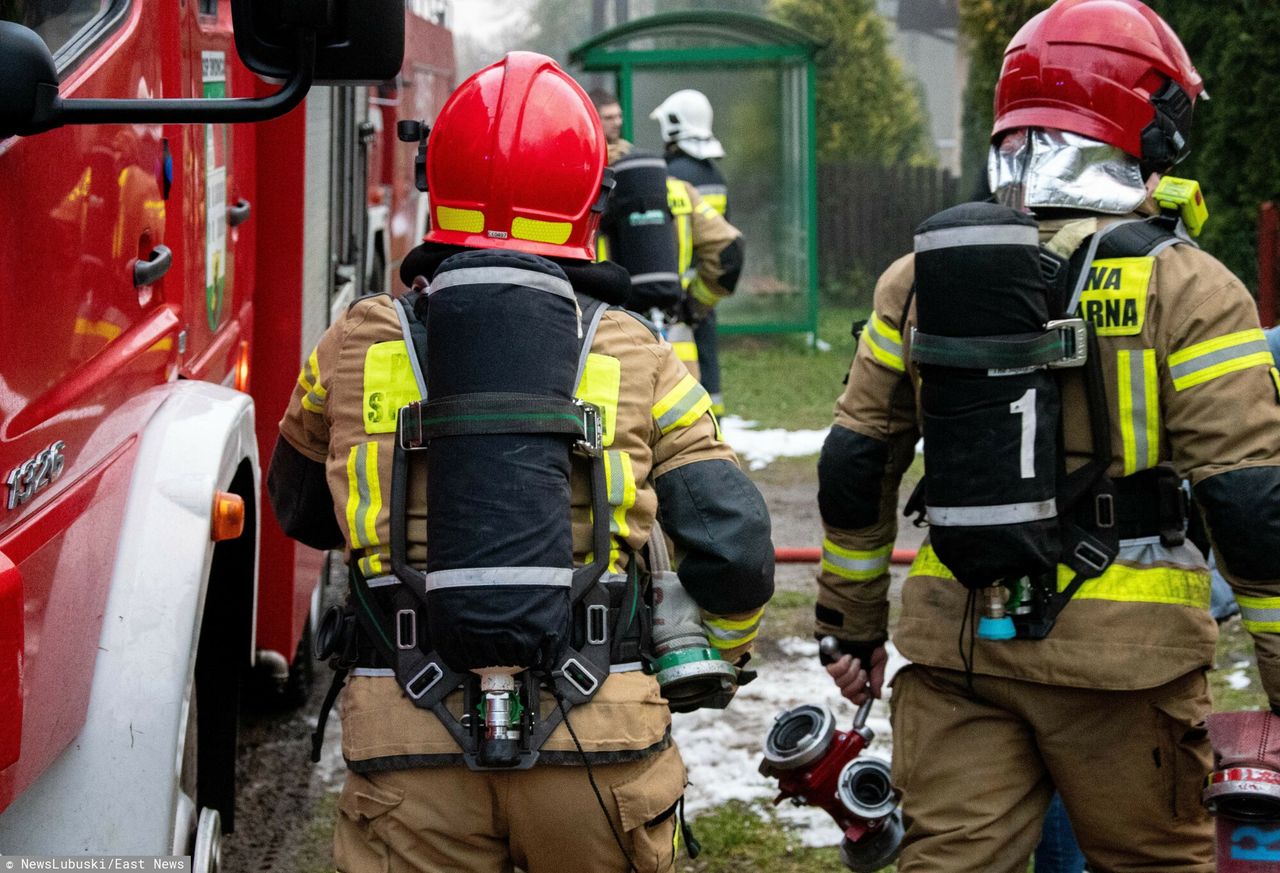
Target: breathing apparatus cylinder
{"x":817,"y":765}
{"x":990,"y":432}
{"x":691,"y":673}
{"x":642,"y":233}
{"x":499,"y":569}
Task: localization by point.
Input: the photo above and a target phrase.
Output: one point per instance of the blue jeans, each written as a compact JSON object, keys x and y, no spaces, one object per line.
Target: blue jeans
{"x":1273,"y":340}
{"x":1058,"y":851}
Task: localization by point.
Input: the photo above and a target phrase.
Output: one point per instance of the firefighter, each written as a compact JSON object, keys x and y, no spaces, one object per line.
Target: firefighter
{"x":1093,"y":107}
{"x":685,"y":120}
{"x":516,"y":168}
{"x":709,"y":249}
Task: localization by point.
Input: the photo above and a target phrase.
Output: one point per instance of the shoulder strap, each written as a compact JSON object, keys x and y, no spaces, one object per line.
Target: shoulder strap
{"x":415,"y":337}
{"x":592,"y":311}
{"x":1136,"y":239}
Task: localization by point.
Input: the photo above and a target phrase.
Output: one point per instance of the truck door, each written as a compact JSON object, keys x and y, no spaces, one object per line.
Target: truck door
{"x":90,"y":324}
{"x":217,"y":185}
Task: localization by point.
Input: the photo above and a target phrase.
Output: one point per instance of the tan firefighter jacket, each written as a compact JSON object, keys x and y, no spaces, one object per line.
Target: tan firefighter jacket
{"x":1187,"y":382}
{"x":656,"y":419}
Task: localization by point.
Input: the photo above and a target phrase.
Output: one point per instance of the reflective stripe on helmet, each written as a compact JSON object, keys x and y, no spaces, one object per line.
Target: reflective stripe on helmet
{"x":859,"y":565}
{"x":1206,"y":361}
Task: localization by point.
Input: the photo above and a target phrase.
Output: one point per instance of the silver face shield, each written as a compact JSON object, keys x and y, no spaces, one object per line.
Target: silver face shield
{"x":1034,"y":168}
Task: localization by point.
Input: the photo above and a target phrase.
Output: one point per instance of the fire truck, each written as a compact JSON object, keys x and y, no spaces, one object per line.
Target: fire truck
{"x":165,"y":267}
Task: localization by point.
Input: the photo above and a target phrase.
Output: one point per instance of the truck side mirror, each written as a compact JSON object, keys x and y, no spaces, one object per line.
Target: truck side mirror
{"x":28,"y":79}
{"x":299,"y":41}
{"x":357,"y":41}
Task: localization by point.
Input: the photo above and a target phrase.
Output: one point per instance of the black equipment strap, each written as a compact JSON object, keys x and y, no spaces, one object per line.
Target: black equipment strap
{"x":1057,"y":344}
{"x":496,"y":412}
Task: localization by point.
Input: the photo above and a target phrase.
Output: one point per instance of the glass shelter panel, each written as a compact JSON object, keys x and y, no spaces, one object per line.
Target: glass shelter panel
{"x":761,"y":119}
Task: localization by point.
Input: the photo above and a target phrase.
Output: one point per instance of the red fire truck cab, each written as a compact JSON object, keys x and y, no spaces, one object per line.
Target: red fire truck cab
{"x":164,"y":269}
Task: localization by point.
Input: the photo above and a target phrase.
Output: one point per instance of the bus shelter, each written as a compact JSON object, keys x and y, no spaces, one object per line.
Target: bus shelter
{"x":759,"y":76}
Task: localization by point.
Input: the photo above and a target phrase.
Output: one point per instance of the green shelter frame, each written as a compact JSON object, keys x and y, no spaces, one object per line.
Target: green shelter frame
{"x":775,"y":66}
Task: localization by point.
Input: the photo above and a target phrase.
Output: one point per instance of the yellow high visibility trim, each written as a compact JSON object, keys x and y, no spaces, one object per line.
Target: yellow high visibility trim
{"x":316,"y":394}
{"x":602,"y":248}
{"x":736,"y":624}
{"x":718,"y":202}
{"x":1275,"y":377}
{"x":1259,"y":614}
{"x":465,"y":220}
{"x":600,"y":385}
{"x":699,"y":291}
{"x":678,"y":197}
{"x":885,"y":343}
{"x":685,"y":350}
{"x":857,"y":565}
{"x":364,"y":494}
{"x":730,"y":633}
{"x":1121,"y":583}
{"x":371,"y":565}
{"x":706,"y":209}
{"x":1216,"y":358}
{"x":684,"y":236}
{"x":554,"y":232}
{"x":389,"y":384}
{"x":682,"y":405}
{"x":620,"y":481}
{"x":1139,"y":410}
{"x":1115,"y":295}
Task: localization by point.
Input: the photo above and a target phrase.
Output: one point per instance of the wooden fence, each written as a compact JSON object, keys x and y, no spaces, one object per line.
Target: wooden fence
{"x":867,"y":215}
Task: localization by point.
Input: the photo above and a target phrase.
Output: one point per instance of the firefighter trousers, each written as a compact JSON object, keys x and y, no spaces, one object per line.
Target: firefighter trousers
{"x":977,"y":771}
{"x":543,"y":820}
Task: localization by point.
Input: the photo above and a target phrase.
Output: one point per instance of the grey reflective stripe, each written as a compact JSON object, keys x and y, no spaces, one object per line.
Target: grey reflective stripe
{"x":978,"y":235}
{"x":713,"y":189}
{"x":382,"y":581}
{"x":875,"y":565}
{"x":981,"y":516}
{"x":469,"y":577}
{"x":1149,"y":551}
{"x":617,"y":480}
{"x":628,"y":667}
{"x":675,"y":413}
{"x":364,"y":502}
{"x":374,"y":671}
{"x":730,"y":635}
{"x":1138,"y":397}
{"x":646,"y":278}
{"x":638,"y":163}
{"x":502,"y":276}
{"x":1256,"y":613}
{"x":588,"y":337}
{"x":881,"y":339}
{"x":1209,"y":359}
{"x":403,"y":314}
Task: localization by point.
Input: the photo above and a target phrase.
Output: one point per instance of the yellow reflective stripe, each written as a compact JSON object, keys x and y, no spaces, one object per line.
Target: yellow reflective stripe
{"x":314,"y":398}
{"x":706,"y":209}
{"x":1275,"y":378}
{"x":465,"y":220}
{"x":1260,"y":614}
{"x":1121,"y":582}
{"x":1139,"y":401}
{"x":699,"y":291}
{"x":729,"y":633}
{"x":620,"y":481}
{"x":686,"y":350}
{"x":554,"y":232}
{"x":684,"y":235}
{"x":600,"y":385}
{"x":1217,"y":357}
{"x":885,"y":343}
{"x":371,"y":565}
{"x":858,"y":565}
{"x":718,"y":202}
{"x":602,"y":248}
{"x":364,"y":495}
{"x":388,"y":384}
{"x":682,"y":405}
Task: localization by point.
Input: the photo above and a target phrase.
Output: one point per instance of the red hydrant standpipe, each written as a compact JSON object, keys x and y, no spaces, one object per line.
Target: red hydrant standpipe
{"x":814,"y":556}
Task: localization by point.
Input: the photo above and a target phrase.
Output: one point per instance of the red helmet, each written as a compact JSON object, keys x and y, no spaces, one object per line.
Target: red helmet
{"x":1111,"y":70}
{"x":517,"y":161}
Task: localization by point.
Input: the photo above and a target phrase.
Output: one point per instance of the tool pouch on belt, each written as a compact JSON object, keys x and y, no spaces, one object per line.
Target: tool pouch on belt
{"x":642,"y":232}
{"x":984,"y":343}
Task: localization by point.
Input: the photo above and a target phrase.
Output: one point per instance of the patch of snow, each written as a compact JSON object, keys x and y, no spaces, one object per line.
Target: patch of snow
{"x":1238,"y":680}
{"x":759,"y":448}
{"x":822,"y":345}
{"x":723,"y":748}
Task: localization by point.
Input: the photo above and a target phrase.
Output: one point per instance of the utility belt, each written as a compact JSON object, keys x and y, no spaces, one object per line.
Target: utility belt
{"x":626,"y":621}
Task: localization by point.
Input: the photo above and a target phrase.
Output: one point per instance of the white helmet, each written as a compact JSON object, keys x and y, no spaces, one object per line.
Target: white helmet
{"x":685,"y":119}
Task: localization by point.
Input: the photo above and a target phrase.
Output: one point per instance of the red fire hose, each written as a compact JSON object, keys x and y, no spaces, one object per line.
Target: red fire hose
{"x":814,"y":556}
